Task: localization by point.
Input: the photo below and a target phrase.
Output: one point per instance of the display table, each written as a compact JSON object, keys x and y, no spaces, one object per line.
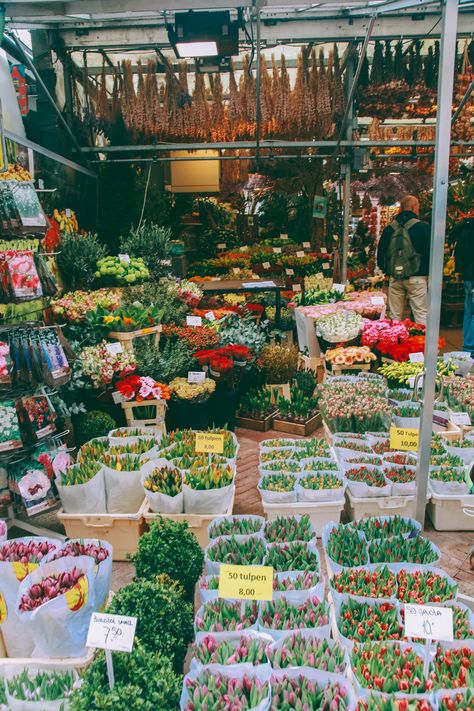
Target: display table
{"x":238,"y":286}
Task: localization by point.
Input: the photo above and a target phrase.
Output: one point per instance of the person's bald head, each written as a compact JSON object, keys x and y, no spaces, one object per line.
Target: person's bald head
{"x":411,"y":203}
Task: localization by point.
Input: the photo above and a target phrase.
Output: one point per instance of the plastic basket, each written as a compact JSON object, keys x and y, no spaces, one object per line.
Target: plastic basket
{"x":357,"y":508}
{"x":451,"y":512}
{"x":320,"y":513}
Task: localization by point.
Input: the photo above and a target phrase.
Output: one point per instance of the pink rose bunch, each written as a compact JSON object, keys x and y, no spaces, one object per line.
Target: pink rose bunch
{"x":383,"y":334}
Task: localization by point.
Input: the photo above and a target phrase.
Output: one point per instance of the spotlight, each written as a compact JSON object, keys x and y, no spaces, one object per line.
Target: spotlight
{"x":204,"y":34}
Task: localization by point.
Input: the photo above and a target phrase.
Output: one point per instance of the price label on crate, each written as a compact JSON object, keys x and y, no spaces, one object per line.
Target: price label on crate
{"x":193,"y":320}
{"x":210,"y":316}
{"x":412,"y":378}
{"x":222,"y":245}
{"x":196,"y":376}
{"x":40,"y":184}
{"x":417,"y":357}
{"x":283,"y":236}
{"x":114,"y":348}
{"x":276,"y":250}
{"x":247,"y":582}
{"x":114,"y":632}
{"x":323,"y":250}
{"x":236,"y":270}
{"x":429,"y":622}
{"x":459,"y":418}
{"x":296,"y":287}
{"x":404,"y":438}
{"x":300,"y":254}
{"x":290,"y":272}
{"x":209,"y":443}
{"x":306,"y":245}
{"x":117,"y":397}
{"x":377,"y":300}
{"x":266,"y":265}
{"x":339,"y":287}
{"x":325,"y":265}
{"x":68,"y":212}
{"x":244,"y":248}
{"x":124,"y":258}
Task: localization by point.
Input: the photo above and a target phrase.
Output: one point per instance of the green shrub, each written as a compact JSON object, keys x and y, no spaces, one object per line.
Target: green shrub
{"x":305,"y":381}
{"x":77,"y":260}
{"x":92,"y":424}
{"x":165,"y":618}
{"x":169,"y":547}
{"x":143,"y":682}
{"x":173,"y":361}
{"x":152,"y":243}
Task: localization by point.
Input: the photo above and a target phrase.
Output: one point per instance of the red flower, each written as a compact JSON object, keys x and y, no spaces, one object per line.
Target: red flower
{"x":129,"y":386}
{"x":221,"y":364}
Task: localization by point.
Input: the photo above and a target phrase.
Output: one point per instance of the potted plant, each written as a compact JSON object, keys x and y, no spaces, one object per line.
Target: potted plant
{"x":298,"y":414}
{"x":256,"y":410}
{"x":279,"y":364}
{"x":189,"y":403}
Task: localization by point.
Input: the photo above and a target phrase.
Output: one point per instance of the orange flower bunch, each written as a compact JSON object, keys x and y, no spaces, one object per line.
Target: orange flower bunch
{"x":350,"y":355}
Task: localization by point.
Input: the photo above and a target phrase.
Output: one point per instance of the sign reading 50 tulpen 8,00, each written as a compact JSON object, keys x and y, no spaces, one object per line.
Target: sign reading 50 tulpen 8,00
{"x":209,"y":443}
{"x":404,"y":438}
{"x":247,"y":582}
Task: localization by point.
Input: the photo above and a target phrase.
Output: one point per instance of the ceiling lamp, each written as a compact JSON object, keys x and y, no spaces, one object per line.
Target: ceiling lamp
{"x":204,"y":34}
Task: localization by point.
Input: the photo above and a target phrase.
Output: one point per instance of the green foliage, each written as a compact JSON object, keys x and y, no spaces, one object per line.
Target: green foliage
{"x":78,"y":258}
{"x":169,"y":547}
{"x":174,"y":310}
{"x":93,"y":424}
{"x":165,"y":618}
{"x":279,"y":363}
{"x":243,"y":331}
{"x":173,"y":361}
{"x":212,"y":213}
{"x":304,"y":380}
{"x":143,"y":682}
{"x":256,"y":404}
{"x":208,"y":240}
{"x":152,"y":243}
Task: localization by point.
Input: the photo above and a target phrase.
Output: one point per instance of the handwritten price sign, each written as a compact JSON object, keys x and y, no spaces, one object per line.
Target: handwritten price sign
{"x":429,"y":622}
{"x":113,"y":632}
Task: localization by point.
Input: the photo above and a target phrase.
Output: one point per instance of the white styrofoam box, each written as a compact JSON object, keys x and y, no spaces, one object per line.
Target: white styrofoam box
{"x":451,"y":513}
{"x":379,"y":505}
{"x":320,"y":513}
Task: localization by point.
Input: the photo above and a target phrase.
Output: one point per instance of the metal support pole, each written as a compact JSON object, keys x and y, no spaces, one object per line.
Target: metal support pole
{"x":68,"y":79}
{"x":348,"y":166}
{"x":438,"y":227}
{"x":258,"y":108}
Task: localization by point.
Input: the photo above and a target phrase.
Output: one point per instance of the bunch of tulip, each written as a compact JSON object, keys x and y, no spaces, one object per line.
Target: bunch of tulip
{"x":235,"y":526}
{"x":95,"y":449}
{"x":190,"y":459}
{"x":220,"y":693}
{"x":389,"y":668}
{"x":384,"y":703}
{"x":122,"y":462}
{"x":462,"y":701}
{"x":302,"y":581}
{"x":363,"y":621}
{"x":289,"y":693}
{"x":448,"y":474}
{"x":128,"y":432}
{"x":387,"y":527}
{"x":50,"y":587}
{"x":402,"y":550}
{"x":378,"y":583}
{"x":283,"y":465}
{"x":285,"y":529}
{"x":357,"y":446}
{"x":75,"y":548}
{"x":412,"y":410}
{"x":80,"y":473}
{"x":214,"y":476}
{"x":298,"y":651}
{"x":320,"y":482}
{"x":279,"y":442}
{"x":292,"y":556}
{"x":31,"y":551}
{"x":424,"y":587}
{"x":400,"y":475}
{"x":399,"y":394}
{"x":234,"y":552}
{"x":345,"y":548}
{"x":382,"y":446}
{"x":316,"y":465}
{"x":461,"y":626}
{"x":313,"y":448}
{"x":438,"y":445}
{"x":212,"y":583}
{"x":278,"y":482}
{"x":43,"y":686}
{"x":225,"y":616}
{"x":163,"y":480}
{"x":247,"y":650}
{"x":283,"y":615}
{"x":446,"y":461}
{"x":366,"y":476}
{"x":276,"y":455}
{"x":140,"y":447}
{"x":453,"y":668}
{"x":367,"y":459}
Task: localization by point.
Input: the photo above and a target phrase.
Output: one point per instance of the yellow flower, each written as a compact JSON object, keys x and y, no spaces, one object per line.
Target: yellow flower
{"x":110,"y":318}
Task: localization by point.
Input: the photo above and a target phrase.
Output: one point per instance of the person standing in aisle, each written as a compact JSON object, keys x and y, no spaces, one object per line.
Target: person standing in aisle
{"x":404,"y":255}
{"x":463,"y":235}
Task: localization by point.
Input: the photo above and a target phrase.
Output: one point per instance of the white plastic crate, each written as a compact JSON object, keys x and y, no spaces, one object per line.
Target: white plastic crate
{"x":357,"y":508}
{"x":320,"y":513}
{"x":451,"y":513}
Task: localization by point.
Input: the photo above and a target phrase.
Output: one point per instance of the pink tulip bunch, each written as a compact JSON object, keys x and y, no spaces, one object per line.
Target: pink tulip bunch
{"x":21,"y":552}
{"x":49,"y":588}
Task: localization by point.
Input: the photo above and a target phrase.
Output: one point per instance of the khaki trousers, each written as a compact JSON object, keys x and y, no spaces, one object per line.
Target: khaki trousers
{"x":416,"y":290}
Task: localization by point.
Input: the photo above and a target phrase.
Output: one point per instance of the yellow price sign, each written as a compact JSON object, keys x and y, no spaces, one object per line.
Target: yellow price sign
{"x":404,"y":438}
{"x":209,"y":443}
{"x":247,"y":582}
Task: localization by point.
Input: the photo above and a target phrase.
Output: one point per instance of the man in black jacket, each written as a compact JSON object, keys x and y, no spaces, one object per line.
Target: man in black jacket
{"x":463,"y":235}
{"x":416,"y":286}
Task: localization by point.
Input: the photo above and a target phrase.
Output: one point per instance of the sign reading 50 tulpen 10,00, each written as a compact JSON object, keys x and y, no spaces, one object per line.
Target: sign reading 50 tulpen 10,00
{"x":404,"y":438}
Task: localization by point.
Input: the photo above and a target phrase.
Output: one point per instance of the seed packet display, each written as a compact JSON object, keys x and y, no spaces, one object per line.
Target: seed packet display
{"x":37,"y":417}
{"x":27,"y":205}
{"x":10,"y":438}
{"x":5,"y":365}
{"x":31,"y":482}
{"x":20,"y":280}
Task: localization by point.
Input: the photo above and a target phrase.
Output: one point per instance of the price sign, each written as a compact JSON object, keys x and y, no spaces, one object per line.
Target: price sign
{"x":300,"y":254}
{"x":323,"y":250}
{"x":209,"y":443}
{"x":124,"y":258}
{"x":459,"y":418}
{"x":266,"y":265}
{"x":236,"y":270}
{"x":411,"y":381}
{"x":114,"y":632}
{"x":166,"y":262}
{"x":417,"y":357}
{"x":222,"y":245}
{"x":339,"y":287}
{"x":377,"y":300}
{"x":296,"y":287}
{"x":114,"y":348}
{"x":244,"y":248}
{"x":276,"y":250}
{"x":326,"y":265}
{"x":306,"y":245}
{"x":210,"y":316}
{"x":255,"y":276}
{"x":117,"y":397}
{"x":193,"y":321}
{"x":429,"y":622}
{"x":68,"y":212}
{"x":247,"y":582}
{"x":257,"y":284}
{"x":290,"y":272}
{"x":40,"y":183}
{"x":405,"y":439}
{"x":196,"y":376}
{"x":283,"y":236}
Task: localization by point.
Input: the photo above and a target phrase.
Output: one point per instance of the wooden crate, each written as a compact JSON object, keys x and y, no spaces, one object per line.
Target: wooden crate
{"x":126,"y":339}
{"x":251,"y":424}
{"x":158,"y":421}
{"x":278,"y":390}
{"x":316,"y":365}
{"x":338,"y":369}
{"x":297,"y":429}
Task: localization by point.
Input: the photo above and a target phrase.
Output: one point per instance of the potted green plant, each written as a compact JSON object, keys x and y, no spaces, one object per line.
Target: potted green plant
{"x":256,"y":410}
{"x":298,"y":414}
{"x":189,"y":403}
{"x":279,"y":364}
